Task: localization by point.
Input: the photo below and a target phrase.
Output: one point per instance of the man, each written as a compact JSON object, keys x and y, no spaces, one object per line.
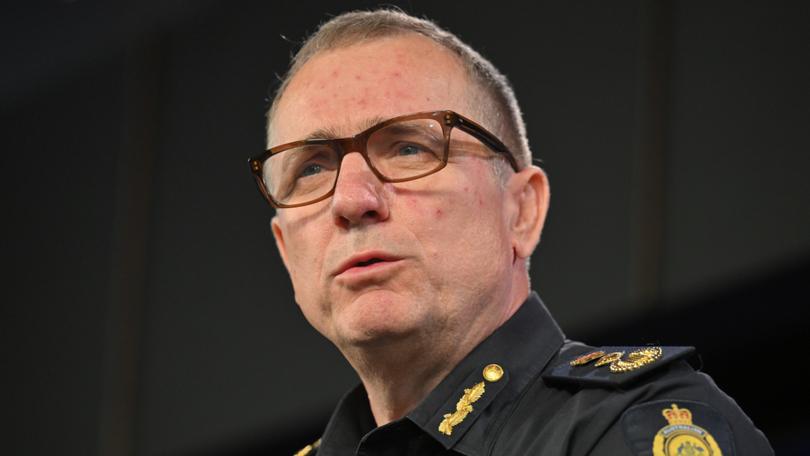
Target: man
{"x":407,"y":210}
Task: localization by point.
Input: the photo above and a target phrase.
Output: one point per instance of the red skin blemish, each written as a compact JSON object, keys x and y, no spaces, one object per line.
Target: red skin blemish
{"x":439,"y":213}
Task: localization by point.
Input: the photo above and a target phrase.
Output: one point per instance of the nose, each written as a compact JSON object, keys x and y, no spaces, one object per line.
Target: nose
{"x":359,"y":197}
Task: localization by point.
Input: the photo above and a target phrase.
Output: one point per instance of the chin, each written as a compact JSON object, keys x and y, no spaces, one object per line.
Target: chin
{"x":370,"y":338}
{"x":379,"y":318}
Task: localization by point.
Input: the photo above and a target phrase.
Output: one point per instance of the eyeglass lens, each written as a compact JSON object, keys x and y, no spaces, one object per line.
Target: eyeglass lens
{"x":398,"y":151}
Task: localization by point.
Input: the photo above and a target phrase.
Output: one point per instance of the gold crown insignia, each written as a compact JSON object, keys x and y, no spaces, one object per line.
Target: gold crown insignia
{"x":677,"y":415}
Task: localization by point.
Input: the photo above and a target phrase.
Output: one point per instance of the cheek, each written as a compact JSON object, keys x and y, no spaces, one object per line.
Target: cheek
{"x":457,"y":218}
{"x":477,"y":211}
{"x":422,"y":212}
{"x":306,"y":257}
{"x":426,"y":219}
{"x":307,"y":249}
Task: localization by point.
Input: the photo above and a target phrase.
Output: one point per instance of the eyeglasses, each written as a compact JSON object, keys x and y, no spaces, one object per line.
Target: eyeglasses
{"x":396,"y":150}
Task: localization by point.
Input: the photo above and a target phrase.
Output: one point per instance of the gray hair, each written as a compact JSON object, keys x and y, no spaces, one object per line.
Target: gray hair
{"x":504,"y":118}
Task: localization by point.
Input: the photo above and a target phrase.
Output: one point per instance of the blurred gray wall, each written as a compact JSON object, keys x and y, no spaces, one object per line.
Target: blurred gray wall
{"x":145,"y":308}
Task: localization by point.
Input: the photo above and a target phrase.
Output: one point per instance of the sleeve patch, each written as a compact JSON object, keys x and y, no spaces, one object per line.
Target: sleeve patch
{"x":673,"y":427}
{"x":614,"y":366}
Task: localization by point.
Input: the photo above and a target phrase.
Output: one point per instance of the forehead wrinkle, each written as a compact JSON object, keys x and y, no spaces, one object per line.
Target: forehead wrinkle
{"x":333,"y":132}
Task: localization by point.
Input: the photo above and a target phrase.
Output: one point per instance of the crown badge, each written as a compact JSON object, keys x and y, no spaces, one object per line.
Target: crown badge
{"x":677,"y":415}
{"x":682,"y":437}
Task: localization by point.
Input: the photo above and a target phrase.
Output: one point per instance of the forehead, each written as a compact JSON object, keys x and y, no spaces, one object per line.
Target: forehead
{"x":345,"y":89}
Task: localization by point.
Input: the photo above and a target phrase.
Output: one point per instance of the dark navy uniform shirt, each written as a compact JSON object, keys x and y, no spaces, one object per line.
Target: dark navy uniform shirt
{"x":539,"y":404}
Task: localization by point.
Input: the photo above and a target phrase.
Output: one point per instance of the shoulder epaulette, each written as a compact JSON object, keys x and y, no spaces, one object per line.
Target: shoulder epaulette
{"x":308,"y":450}
{"x":613,"y":366}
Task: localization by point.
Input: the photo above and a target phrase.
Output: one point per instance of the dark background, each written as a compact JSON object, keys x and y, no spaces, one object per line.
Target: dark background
{"x":145,"y":310}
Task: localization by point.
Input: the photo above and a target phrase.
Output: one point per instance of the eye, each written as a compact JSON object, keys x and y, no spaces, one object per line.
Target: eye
{"x":310,"y":170}
{"x":409,"y":149}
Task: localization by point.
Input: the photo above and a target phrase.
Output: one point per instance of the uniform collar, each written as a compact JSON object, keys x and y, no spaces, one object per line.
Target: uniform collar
{"x":522,"y":347}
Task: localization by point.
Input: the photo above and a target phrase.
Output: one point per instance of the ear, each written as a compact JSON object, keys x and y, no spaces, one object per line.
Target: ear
{"x":529,"y":193}
{"x":278,"y":234}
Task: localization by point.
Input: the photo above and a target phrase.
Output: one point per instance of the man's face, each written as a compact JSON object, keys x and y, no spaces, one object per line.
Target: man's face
{"x":444,"y":238}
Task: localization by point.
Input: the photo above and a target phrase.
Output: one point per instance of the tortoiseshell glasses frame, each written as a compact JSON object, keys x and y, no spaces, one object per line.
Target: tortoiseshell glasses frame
{"x":359,"y":142}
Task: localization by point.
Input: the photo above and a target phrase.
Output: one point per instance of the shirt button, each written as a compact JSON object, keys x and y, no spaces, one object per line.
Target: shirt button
{"x":493,"y":373}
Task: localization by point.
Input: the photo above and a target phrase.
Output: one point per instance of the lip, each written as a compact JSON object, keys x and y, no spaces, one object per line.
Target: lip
{"x":352,"y":265}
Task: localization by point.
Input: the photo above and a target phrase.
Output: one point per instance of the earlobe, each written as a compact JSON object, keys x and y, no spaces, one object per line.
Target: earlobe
{"x":530,"y":192}
{"x":278,"y":234}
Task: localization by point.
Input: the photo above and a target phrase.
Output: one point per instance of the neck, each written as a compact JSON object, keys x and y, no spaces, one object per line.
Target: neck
{"x":397,"y":380}
{"x":398,"y":375}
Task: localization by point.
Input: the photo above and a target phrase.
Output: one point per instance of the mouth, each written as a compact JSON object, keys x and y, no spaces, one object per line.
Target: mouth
{"x":365,"y":261}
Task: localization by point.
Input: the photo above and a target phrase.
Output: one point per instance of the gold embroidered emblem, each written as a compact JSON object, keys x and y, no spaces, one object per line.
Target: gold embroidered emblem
{"x":636,"y":359}
{"x":618,"y":362}
{"x":609,"y":358}
{"x":682,"y":438}
{"x":585,"y":359}
{"x":463,"y":408}
{"x":308,"y":449}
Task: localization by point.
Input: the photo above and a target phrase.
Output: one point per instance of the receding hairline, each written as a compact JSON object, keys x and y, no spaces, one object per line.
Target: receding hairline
{"x":470,"y":81}
{"x":492,"y":97}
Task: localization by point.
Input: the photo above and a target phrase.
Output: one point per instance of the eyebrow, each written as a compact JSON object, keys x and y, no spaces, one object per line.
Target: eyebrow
{"x":411,"y":129}
{"x":331,"y":132}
